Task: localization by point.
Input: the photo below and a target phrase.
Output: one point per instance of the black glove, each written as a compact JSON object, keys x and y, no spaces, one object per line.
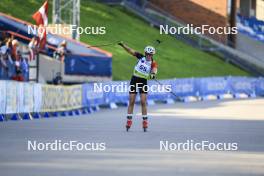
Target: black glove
{"x":121,"y":43}
{"x":152,"y":76}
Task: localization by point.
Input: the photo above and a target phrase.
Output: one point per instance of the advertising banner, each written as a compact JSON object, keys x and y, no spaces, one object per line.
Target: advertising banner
{"x":260,"y":87}
{"x":28,"y":97}
{"x":37,"y":97}
{"x":160,"y":90}
{"x":11,"y":97}
{"x":2,"y":97}
{"x":88,"y":65}
{"x":212,"y":86}
{"x":19,"y":97}
{"x":242,"y":85}
{"x":116,"y":91}
{"x":92,"y":97}
{"x":184,"y":87}
{"x":61,"y":98}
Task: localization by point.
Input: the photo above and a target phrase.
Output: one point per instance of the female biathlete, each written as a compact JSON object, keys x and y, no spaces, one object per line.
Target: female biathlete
{"x":146,"y":68}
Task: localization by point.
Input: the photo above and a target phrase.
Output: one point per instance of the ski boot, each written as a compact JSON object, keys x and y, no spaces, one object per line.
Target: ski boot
{"x":145,"y":124}
{"x":129,"y":123}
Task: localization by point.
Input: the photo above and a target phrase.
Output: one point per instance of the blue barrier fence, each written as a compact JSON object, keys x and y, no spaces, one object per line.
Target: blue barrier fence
{"x":17,"y":97}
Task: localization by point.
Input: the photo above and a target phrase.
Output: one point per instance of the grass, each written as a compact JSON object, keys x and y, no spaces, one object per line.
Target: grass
{"x":175,"y":59}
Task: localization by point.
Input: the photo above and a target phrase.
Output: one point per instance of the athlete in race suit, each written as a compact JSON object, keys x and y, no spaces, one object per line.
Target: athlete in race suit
{"x":146,"y":68}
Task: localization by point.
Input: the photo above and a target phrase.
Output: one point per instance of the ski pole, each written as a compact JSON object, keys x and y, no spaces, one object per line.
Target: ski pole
{"x":157,"y":42}
{"x":177,"y":97}
{"x":107,"y":44}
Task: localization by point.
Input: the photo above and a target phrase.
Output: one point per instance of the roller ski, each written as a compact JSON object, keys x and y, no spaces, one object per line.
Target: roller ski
{"x":129,"y":123}
{"x":145,"y":124}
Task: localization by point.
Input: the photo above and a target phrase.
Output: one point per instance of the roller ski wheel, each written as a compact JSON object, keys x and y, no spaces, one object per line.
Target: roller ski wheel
{"x":128,"y":125}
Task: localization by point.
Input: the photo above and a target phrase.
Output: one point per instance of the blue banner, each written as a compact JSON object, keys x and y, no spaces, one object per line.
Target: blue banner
{"x":88,"y":65}
{"x":92,"y":97}
{"x":212,"y":86}
{"x":242,"y":85}
{"x":260,"y":87}
{"x":251,"y":27}
{"x":121,"y":91}
{"x":160,"y":90}
{"x":115,"y":91}
{"x":185,"y":87}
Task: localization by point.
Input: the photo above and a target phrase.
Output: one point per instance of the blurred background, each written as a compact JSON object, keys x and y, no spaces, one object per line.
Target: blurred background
{"x":136,"y":22}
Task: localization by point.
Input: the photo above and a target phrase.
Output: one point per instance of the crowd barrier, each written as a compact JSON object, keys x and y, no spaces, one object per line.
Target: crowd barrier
{"x":32,"y":98}
{"x":182,"y":88}
{"x":17,"y":97}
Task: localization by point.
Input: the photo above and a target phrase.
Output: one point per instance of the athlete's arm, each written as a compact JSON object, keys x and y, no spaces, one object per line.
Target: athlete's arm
{"x":154,"y":67}
{"x":154,"y":70}
{"x":129,"y":50}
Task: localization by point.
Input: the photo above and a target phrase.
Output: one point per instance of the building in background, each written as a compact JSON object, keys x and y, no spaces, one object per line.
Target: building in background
{"x":247,"y":15}
{"x":260,"y":10}
{"x":198,"y":12}
{"x":251,"y":8}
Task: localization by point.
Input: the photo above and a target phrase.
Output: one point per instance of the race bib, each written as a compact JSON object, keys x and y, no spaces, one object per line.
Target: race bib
{"x":143,"y":68}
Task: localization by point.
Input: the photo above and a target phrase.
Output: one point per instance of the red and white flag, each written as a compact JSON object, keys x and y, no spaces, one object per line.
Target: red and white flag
{"x":41,"y":16}
{"x":42,"y":34}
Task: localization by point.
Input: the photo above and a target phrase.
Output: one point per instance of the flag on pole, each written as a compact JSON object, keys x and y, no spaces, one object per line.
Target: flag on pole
{"x":41,"y":18}
{"x":42,"y":33}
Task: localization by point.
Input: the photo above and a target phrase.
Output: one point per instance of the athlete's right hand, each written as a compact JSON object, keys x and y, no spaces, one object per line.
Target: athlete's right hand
{"x":152,"y":76}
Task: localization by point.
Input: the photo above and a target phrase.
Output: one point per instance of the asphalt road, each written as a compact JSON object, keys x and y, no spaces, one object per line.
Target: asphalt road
{"x":138,"y":153}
